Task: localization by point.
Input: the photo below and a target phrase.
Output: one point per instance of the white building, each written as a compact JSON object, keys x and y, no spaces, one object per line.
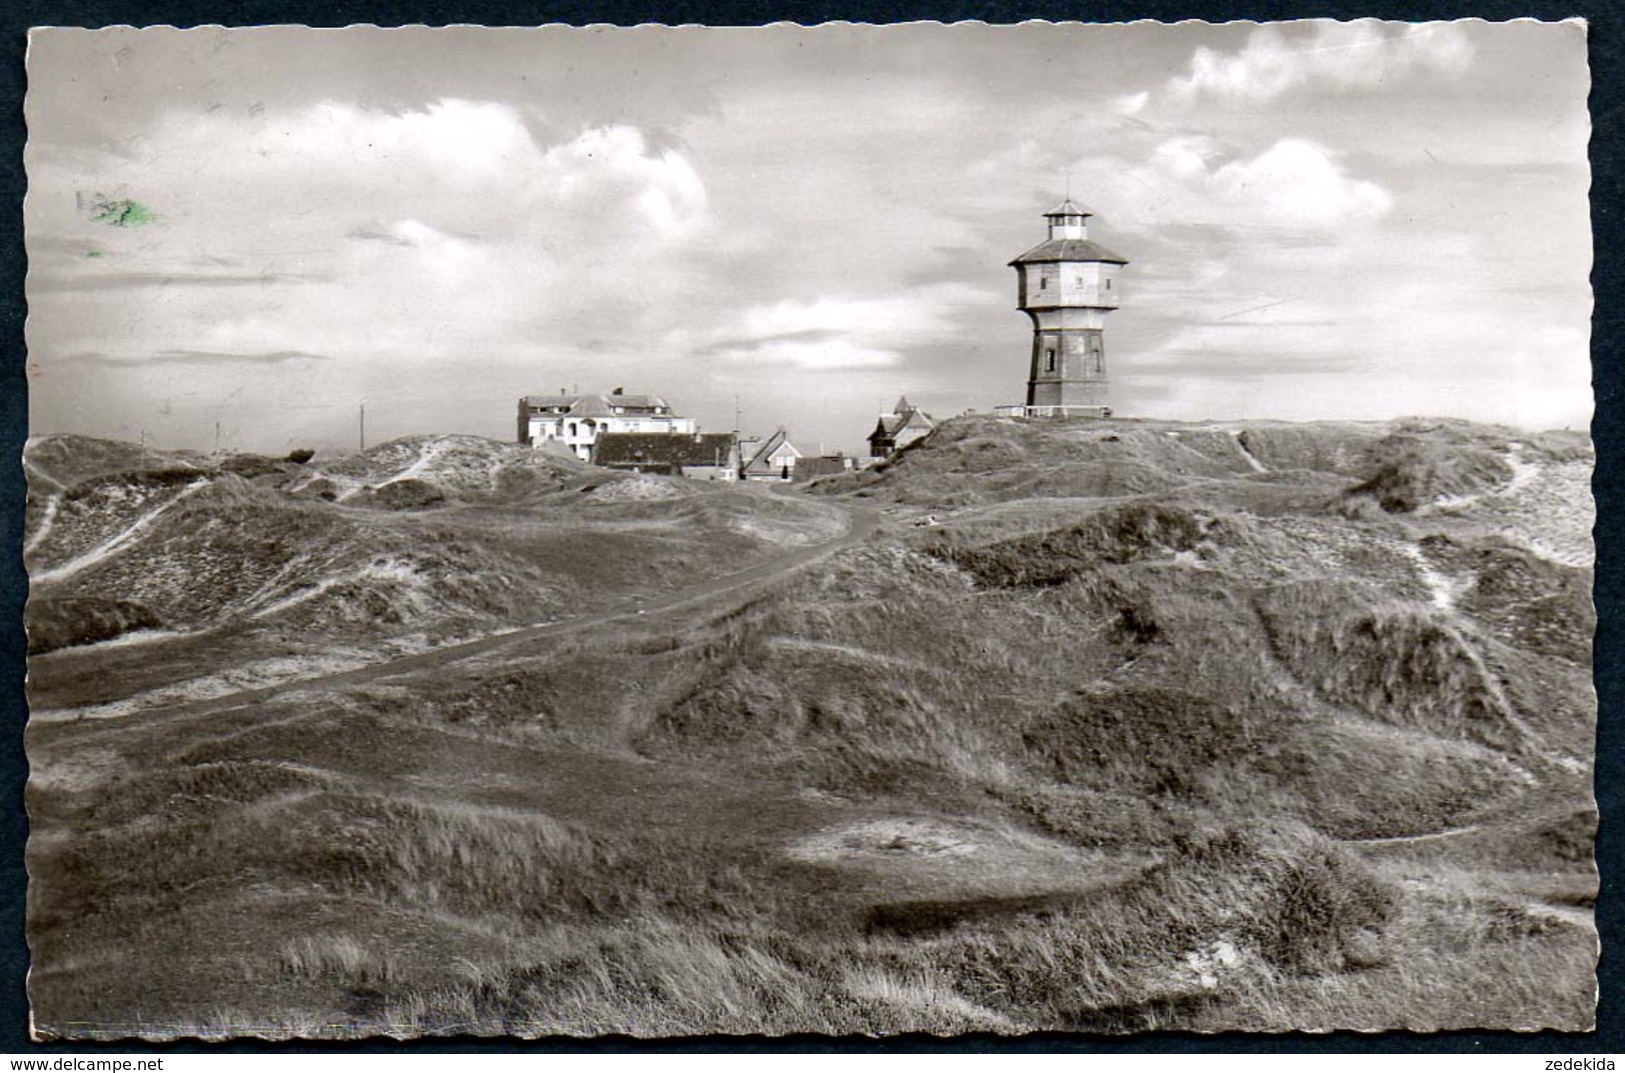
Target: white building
{"x":773,"y":459}
{"x":578,"y":420}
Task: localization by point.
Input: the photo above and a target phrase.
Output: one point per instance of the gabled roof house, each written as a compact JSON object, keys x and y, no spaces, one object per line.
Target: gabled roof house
{"x":898,"y":429}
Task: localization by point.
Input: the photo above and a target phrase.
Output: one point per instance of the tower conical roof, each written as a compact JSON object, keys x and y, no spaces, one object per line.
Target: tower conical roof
{"x":1070,"y":249}
{"x":1069,"y":208}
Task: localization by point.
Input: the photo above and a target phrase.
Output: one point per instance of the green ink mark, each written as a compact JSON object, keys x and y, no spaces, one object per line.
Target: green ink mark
{"x":93,"y":253}
{"x":121,"y":213}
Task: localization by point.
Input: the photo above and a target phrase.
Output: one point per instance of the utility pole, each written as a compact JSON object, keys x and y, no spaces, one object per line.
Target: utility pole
{"x":363,"y":426}
{"x":217,"y":437}
{"x":736,"y":414}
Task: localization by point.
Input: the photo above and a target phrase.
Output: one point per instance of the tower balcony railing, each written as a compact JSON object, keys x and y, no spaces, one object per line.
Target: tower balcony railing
{"x":1052,"y":411}
{"x":1062,"y":298}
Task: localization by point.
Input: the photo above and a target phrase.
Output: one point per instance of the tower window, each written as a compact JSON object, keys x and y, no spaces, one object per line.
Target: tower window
{"x":1108,"y":284}
{"x":1043,"y":283}
{"x":1049,"y":360}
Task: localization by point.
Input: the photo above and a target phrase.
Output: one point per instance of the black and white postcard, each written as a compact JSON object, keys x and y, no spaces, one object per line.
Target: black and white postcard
{"x":839,"y":529}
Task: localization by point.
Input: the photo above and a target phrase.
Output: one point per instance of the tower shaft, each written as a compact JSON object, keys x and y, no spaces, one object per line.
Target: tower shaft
{"x":1068,"y":360}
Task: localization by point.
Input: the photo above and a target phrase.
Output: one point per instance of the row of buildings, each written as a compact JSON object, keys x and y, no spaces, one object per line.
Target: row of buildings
{"x":644,"y":434}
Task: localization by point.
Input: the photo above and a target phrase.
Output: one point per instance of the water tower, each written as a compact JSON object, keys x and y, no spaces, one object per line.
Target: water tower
{"x":1067,"y":286}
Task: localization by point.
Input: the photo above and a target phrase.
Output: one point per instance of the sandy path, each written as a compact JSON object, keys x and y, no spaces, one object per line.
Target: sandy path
{"x":1430,"y":836}
{"x":427,"y":454}
{"x":1442,"y":589}
{"x":37,"y":475}
{"x":112,"y":545}
{"x":1252,"y":460}
{"x":46,"y":523}
{"x":1511,"y":824}
{"x":45,"y":481}
{"x":863,"y":522}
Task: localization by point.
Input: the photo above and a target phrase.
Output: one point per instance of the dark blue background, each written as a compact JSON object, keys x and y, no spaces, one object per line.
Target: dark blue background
{"x":1608,"y":430}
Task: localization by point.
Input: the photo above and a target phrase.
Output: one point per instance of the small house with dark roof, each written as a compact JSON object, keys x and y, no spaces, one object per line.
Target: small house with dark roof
{"x":898,"y":429}
{"x":773,"y":460}
{"x":578,"y":420}
{"x":812,"y":467}
{"x":712,"y":456}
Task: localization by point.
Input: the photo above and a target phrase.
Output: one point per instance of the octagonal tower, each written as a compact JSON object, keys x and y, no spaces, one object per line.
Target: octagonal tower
{"x":1067,"y":286}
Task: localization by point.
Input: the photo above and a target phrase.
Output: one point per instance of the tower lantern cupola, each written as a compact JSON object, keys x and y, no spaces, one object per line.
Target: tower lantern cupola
{"x":1068,"y":220}
{"x":1067,"y":285}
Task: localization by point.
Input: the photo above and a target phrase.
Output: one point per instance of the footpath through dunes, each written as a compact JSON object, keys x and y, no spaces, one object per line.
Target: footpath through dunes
{"x":1082,"y":725}
{"x":694,"y":598}
{"x":219,"y":580}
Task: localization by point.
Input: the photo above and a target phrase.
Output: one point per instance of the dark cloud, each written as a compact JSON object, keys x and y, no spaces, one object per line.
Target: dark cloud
{"x":191,"y":357}
{"x":40,"y":246}
{"x":116,"y":281}
{"x":375,"y":233}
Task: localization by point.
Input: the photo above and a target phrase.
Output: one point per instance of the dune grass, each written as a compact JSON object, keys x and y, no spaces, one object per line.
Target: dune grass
{"x":1136,"y":737}
{"x":1263,"y":927}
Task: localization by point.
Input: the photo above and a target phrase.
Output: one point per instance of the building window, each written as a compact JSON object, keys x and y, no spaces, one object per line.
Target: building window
{"x":1108,"y":284}
{"x":1043,"y":283}
{"x":1049,"y":360}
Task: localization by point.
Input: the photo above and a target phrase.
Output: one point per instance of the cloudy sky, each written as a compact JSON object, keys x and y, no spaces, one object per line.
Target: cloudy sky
{"x":265,"y":228}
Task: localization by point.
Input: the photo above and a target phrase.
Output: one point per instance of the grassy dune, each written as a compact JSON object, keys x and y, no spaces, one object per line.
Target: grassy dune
{"x":1115,"y":726}
{"x":254,"y":569}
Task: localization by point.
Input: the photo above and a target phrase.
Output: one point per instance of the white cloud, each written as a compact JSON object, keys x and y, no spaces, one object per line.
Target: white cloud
{"x":924,"y":312}
{"x":435,"y":254}
{"x":612,"y":166}
{"x":444,"y":229}
{"x":1297,"y":182}
{"x":837,"y":354}
{"x":1130,"y":103}
{"x":842,"y":332}
{"x":1294,"y":185}
{"x":1339,"y":55}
